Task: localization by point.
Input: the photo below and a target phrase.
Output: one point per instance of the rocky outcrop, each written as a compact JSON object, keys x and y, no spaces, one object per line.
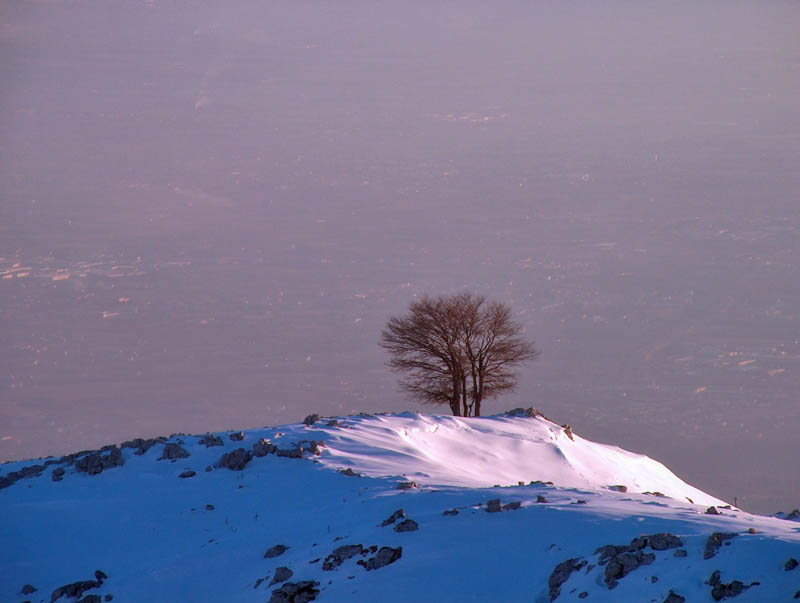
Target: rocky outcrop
{"x":76,"y":589}
{"x":790,"y":564}
{"x":97,"y":462}
{"x":311,"y":419}
{"x":716,"y":540}
{"x":282,"y":574}
{"x":720,"y":590}
{"x":172,"y":452}
{"x":295,"y":592}
{"x":340,"y":555}
{"x":141,"y":446}
{"x":407,"y":486}
{"x":235,"y":460}
{"x":399,"y":514}
{"x":385,"y":556}
{"x":408,"y":525}
{"x":210,"y":440}
{"x":263,"y":448}
{"x":275,"y":551}
{"x":237,"y":436}
{"x":561,"y":574}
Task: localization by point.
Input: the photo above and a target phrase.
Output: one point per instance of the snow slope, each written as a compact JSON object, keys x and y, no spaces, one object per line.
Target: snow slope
{"x":159,"y":537}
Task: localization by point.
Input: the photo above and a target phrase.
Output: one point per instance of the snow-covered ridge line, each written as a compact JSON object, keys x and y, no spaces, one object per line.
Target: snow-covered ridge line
{"x":514,"y":448}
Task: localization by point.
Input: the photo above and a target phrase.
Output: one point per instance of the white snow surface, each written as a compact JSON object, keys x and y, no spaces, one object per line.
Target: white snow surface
{"x":159,"y":537}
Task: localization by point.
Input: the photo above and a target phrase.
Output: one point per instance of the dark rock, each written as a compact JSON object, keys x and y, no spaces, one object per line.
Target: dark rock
{"x":680,"y":553}
{"x":658,"y":494}
{"x":74,"y":590}
{"x":561,"y":574}
{"x":209,"y":507}
{"x":188,"y":474}
{"x":408,"y":525}
{"x":618,"y":488}
{"x":580,"y":501}
{"x":235,"y":460}
{"x":712,"y":511}
{"x":407,"y":486}
{"x":791,"y":564}
{"x":796,"y":595}
{"x":752,"y":531}
{"x":399,"y":514}
{"x":384,"y":557}
{"x":715,"y":579}
{"x":349,"y":472}
{"x":653,"y":579}
{"x":141,"y":445}
{"x":541,"y":499}
{"x":664,"y":541}
{"x":311,"y":419}
{"x":95,"y":462}
{"x":275,"y":551}
{"x":674,"y":597}
{"x":715,"y":541}
{"x":493,"y":506}
{"x":173,"y":451}
{"x":512,"y":506}
{"x":91,"y":599}
{"x":282,"y":574}
{"x":236,"y":436}
{"x":609,"y":551}
{"x":28,"y":589}
{"x":209,"y":469}
{"x":727,"y":591}
{"x":583,"y":595}
{"x":637,"y":544}
{"x":295,"y":592}
{"x":624,"y":563}
{"x":58,"y":474}
{"x":568,"y":431}
{"x":210,"y":440}
{"x":332,"y":423}
{"x":523,"y":412}
{"x":263,"y":448}
{"x":341,"y":554}
{"x":291,"y":453}
{"x":108,"y":597}
{"x":100,"y":576}
{"x":450,"y":512}
{"x":258,"y":583}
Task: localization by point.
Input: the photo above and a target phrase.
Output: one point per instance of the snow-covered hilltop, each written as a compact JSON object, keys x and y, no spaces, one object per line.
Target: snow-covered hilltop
{"x":380,"y":508}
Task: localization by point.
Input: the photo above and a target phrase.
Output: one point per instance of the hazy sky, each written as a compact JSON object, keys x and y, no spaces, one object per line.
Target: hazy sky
{"x":209,"y":210}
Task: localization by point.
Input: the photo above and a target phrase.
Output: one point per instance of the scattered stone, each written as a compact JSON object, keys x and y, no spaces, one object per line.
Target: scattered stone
{"x":680,"y":553}
{"x":258,"y":583}
{"x":720,"y":590}
{"x":399,"y":514}
{"x":95,"y":462}
{"x":384,"y":557}
{"x":796,"y":595}
{"x":664,"y":541}
{"x":209,"y":507}
{"x":656,"y":493}
{"x":349,"y":472}
{"x":580,"y":501}
{"x":715,"y":541}
{"x":141,"y":445}
{"x":623,"y":564}
{"x":450,"y":512}
{"x":523,"y":412}
{"x":173,"y":451}
{"x":235,"y":460}
{"x":275,"y":551}
{"x":295,"y":592}
{"x":512,"y":506}
{"x":58,"y":474}
{"x":408,"y":525}
{"x":542,"y":499}
{"x":791,"y":564}
{"x":568,"y":431}
{"x":189,"y":473}
{"x":236,"y":436}
{"x":91,"y":599}
{"x":28,"y":589}
{"x":282,"y":574}
{"x":653,"y":579}
{"x":341,"y":554}
{"x":618,"y":488}
{"x":493,"y":506}
{"x":263,"y":448}
{"x":76,"y":589}
{"x":674,"y":597}
{"x":108,"y":597}
{"x":210,"y":440}
{"x":407,"y":486}
{"x":311,"y":419}
{"x":713,"y":511}
{"x":752,"y":531}
{"x":583,"y":595}
{"x":560,"y":575}
{"x":291,"y":453}
{"x":332,"y":423}
{"x":209,"y":469}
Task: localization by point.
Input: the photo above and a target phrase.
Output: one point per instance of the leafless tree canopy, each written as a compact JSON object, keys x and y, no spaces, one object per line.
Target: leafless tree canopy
{"x":456,"y":350}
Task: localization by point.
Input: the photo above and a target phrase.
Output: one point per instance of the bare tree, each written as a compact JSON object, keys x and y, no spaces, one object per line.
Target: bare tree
{"x":457,"y":350}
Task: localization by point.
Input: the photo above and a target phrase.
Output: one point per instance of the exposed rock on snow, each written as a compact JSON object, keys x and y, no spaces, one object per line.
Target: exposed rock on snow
{"x":275,"y":551}
{"x":311,"y":419}
{"x":76,"y":589}
{"x":96,"y":462}
{"x":407,"y":525}
{"x":790,"y":564}
{"x":235,"y":460}
{"x":263,"y":448}
{"x":186,"y":474}
{"x":384,"y":557}
{"x":236,"y":436}
{"x":57,"y":474}
{"x":674,"y":597}
{"x":173,"y":451}
{"x":340,"y":555}
{"x":399,"y":514}
{"x":28,"y":589}
{"x":561,"y":574}
{"x":282,"y":574}
{"x":209,"y":440}
{"x":716,"y":540}
{"x":720,"y":590}
{"x":295,"y":592}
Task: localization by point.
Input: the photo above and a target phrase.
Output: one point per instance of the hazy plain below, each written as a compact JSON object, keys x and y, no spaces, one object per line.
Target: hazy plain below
{"x":209,"y":210}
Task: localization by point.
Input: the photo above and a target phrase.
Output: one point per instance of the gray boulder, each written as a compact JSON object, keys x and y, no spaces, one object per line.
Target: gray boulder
{"x":173,"y":451}
{"x":282,"y":574}
{"x":237,"y":436}
{"x":295,"y":592}
{"x":384,"y":557}
{"x":790,"y":564}
{"x":399,"y":514}
{"x":275,"y":551}
{"x":235,"y":460}
{"x":716,"y":540}
{"x":263,"y":448}
{"x":494,"y":506}
{"x":210,"y":439}
{"x":340,"y":555}
{"x":311,"y":419}
{"x":408,"y":525}
{"x":664,"y":541}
